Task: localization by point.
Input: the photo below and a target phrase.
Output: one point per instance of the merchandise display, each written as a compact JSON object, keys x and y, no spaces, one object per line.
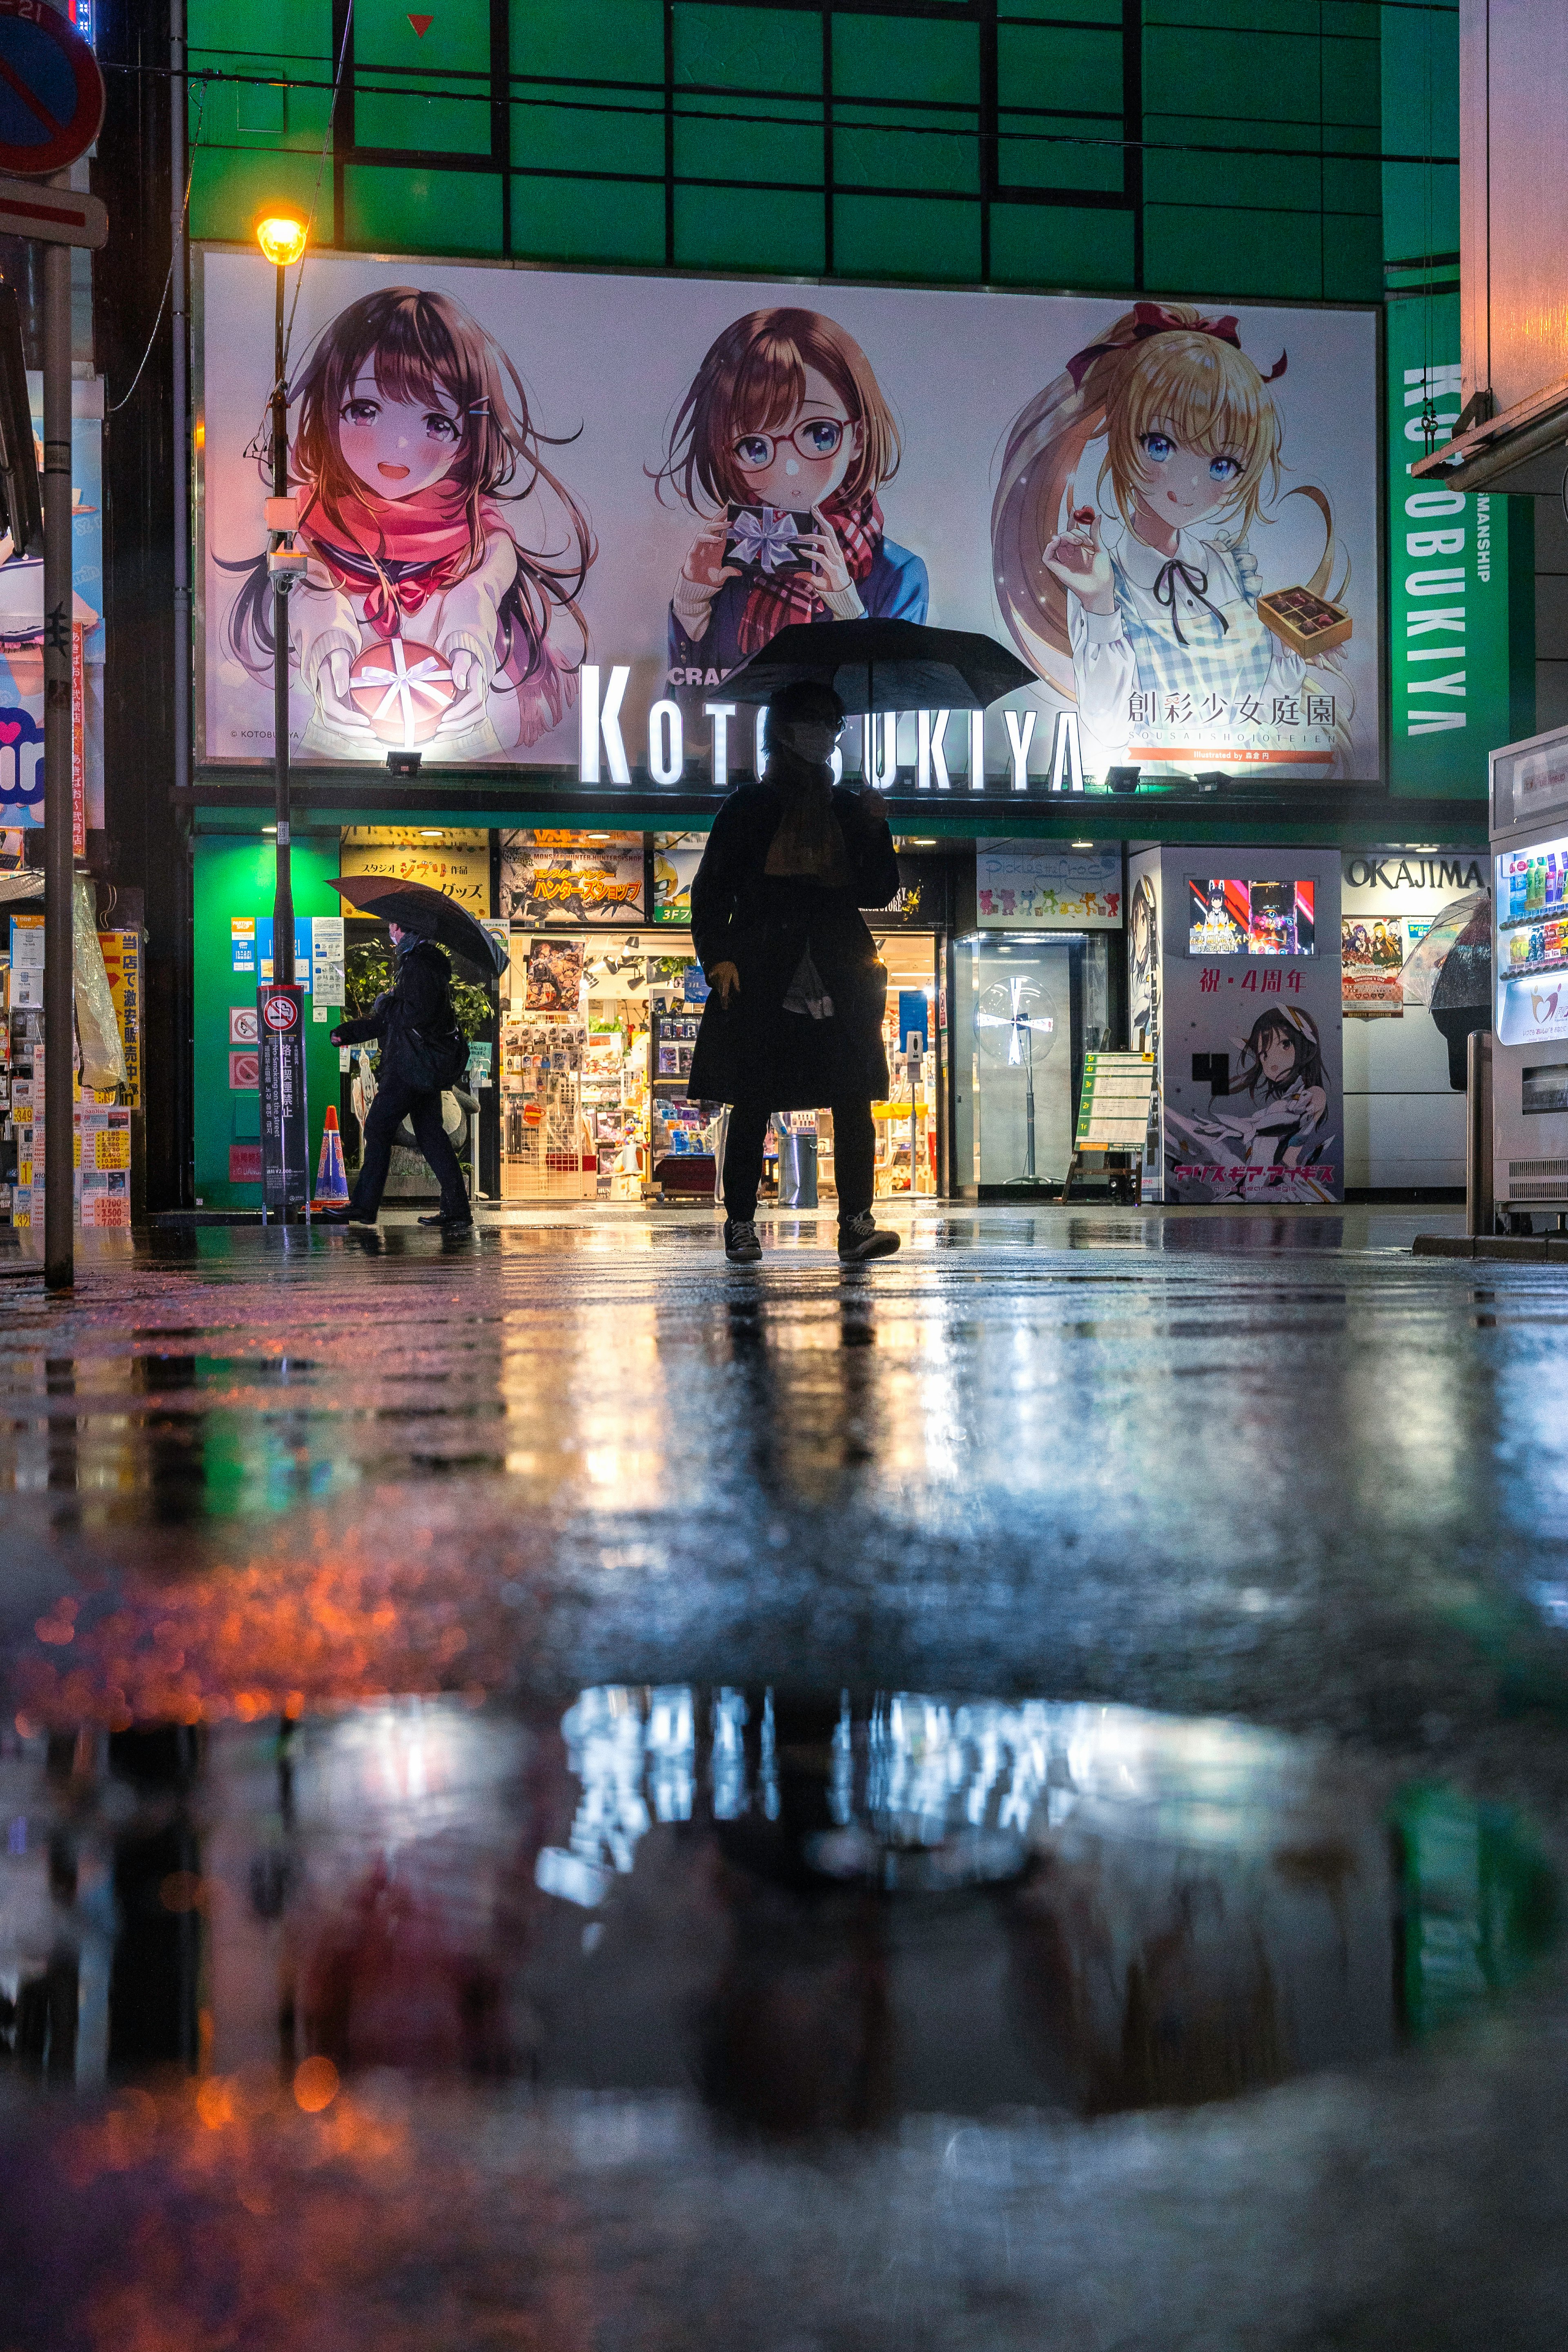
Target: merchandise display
{"x":906,"y":1123}
{"x":682,"y":1132}
{"x":102,"y":1121}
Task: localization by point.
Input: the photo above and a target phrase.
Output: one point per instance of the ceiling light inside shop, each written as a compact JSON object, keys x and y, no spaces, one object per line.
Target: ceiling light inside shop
{"x":1080,"y":844}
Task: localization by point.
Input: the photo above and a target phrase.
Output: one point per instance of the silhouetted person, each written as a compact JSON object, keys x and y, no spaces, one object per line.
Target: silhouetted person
{"x":420,"y":1044}
{"x":795,"y":1019}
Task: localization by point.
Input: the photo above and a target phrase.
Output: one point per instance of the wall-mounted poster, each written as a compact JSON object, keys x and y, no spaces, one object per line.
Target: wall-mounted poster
{"x":554,"y":976}
{"x":1372,"y":957}
{"x":572,"y":877}
{"x":675,"y":858}
{"x":1042,"y":886}
{"x":1247,"y":1030}
{"x":1169,"y":508}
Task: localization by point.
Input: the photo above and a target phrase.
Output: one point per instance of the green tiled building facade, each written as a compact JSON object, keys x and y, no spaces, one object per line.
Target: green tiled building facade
{"x":1234,"y":146}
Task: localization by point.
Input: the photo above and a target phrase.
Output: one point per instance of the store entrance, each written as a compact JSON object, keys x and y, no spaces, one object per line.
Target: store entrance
{"x":596,"y":1035}
{"x":909,"y":1153}
{"x":596,"y":1038}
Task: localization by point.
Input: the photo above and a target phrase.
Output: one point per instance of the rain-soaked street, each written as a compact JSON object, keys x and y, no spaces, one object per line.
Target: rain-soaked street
{"x":561,"y":1794}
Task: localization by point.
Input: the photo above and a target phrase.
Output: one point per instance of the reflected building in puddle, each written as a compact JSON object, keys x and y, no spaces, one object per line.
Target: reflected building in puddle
{"x":804,"y":1914}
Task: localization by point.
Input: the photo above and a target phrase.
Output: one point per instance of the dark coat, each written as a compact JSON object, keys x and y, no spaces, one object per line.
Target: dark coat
{"x":763,"y":924}
{"x":420,"y":999}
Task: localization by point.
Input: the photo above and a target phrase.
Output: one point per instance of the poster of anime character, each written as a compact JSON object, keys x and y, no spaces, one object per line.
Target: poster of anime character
{"x":554,"y":976}
{"x":1172,"y":509}
{"x":1371,"y":956}
{"x":780,"y":448}
{"x":1269,"y":1138}
{"x":1134,"y":488}
{"x":1245,"y":984}
{"x":435,"y":607}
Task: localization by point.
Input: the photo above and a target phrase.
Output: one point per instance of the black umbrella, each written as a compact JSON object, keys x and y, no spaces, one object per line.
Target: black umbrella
{"x":884,"y":666}
{"x":430,"y":914}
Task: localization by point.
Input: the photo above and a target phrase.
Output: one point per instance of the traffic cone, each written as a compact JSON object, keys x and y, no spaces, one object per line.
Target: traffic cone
{"x":332,"y":1178}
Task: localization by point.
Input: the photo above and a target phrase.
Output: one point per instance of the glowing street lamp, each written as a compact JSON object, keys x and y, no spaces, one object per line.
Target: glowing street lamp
{"x":282,"y":236}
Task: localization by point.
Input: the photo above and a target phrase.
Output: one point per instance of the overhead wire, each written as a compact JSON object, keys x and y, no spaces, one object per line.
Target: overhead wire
{"x":113,"y":407}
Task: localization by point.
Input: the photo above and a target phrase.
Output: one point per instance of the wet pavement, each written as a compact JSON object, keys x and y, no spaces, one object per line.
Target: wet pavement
{"x":561,"y":1794}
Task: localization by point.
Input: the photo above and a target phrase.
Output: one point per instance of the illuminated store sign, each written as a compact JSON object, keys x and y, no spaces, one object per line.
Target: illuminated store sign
{"x":603,"y":755}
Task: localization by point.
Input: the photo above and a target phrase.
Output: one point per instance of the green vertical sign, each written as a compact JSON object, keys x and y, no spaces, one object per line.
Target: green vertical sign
{"x":1447,"y":577}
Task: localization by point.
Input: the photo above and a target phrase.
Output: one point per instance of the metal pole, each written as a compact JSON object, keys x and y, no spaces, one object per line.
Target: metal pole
{"x":180,"y":389}
{"x":1479,"y":1204}
{"x":60,"y":1025}
{"x":283,"y":899}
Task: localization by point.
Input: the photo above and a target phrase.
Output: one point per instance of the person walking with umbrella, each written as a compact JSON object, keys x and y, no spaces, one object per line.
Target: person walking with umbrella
{"x":422,"y":1050}
{"x":795,"y":1018}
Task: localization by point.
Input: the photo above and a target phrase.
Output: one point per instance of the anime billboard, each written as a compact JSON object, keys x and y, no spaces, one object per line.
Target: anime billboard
{"x":548,"y":515}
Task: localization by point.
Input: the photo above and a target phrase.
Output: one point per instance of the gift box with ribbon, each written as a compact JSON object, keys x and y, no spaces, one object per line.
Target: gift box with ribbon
{"x":405,"y":690}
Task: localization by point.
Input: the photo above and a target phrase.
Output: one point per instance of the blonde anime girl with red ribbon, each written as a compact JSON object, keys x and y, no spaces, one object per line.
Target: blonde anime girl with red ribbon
{"x":1149,"y":620}
{"x":412,"y":461}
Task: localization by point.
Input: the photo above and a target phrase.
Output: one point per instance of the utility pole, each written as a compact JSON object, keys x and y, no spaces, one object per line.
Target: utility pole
{"x":59,"y":847}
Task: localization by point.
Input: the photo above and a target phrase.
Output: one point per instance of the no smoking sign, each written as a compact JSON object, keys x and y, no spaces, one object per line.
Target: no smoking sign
{"x":280,"y":1012}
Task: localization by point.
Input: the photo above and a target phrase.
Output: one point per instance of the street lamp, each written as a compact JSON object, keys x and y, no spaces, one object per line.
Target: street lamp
{"x":281,"y":236}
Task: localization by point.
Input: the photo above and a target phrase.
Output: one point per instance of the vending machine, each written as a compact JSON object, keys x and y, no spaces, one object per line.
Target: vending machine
{"x":1530,"y":973}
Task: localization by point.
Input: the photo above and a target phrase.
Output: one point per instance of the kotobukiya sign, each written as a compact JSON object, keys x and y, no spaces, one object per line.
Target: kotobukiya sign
{"x":1169,"y":509}
{"x":1448,"y":566}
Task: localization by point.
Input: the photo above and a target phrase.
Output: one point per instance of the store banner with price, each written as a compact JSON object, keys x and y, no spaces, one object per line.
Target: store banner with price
{"x":285,"y":1116}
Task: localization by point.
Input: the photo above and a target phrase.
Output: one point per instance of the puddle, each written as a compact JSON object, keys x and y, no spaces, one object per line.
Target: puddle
{"x":798,"y":1915}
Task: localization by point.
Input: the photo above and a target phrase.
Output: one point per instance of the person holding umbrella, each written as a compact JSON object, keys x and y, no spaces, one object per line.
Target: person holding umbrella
{"x":422,"y":1049}
{"x":795,"y":1018}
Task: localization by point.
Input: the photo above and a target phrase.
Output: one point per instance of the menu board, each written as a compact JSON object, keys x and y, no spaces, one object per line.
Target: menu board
{"x":1113,"y":1107}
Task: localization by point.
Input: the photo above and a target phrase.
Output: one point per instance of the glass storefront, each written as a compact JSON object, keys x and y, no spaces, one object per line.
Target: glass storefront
{"x":1027,"y":1005}
{"x":596,"y":1038}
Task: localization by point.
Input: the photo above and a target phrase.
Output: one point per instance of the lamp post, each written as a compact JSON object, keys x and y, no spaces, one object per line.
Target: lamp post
{"x":282,"y":237}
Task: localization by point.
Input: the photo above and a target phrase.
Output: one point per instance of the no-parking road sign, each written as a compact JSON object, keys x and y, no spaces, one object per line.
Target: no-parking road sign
{"x":51,"y":91}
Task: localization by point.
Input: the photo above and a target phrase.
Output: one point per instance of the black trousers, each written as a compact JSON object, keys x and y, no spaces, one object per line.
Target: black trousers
{"x":854,"y":1157}
{"x":395,"y":1102}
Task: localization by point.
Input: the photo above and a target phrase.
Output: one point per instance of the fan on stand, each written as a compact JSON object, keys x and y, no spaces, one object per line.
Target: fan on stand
{"x":1010,"y":1016}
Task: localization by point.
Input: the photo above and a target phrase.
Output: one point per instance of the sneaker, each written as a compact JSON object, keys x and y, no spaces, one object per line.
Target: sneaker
{"x":862,"y":1238}
{"x":743,"y":1246}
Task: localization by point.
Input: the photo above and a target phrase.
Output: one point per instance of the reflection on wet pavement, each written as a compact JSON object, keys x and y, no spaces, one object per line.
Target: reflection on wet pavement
{"x":807,"y":1912}
{"x":557,"y":1793}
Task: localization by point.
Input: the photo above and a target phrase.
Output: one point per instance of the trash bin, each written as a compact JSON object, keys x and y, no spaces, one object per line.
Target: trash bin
{"x":797,"y":1171}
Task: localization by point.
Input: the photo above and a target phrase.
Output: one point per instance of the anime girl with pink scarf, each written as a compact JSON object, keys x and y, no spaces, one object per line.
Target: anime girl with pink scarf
{"x":413,"y":456}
